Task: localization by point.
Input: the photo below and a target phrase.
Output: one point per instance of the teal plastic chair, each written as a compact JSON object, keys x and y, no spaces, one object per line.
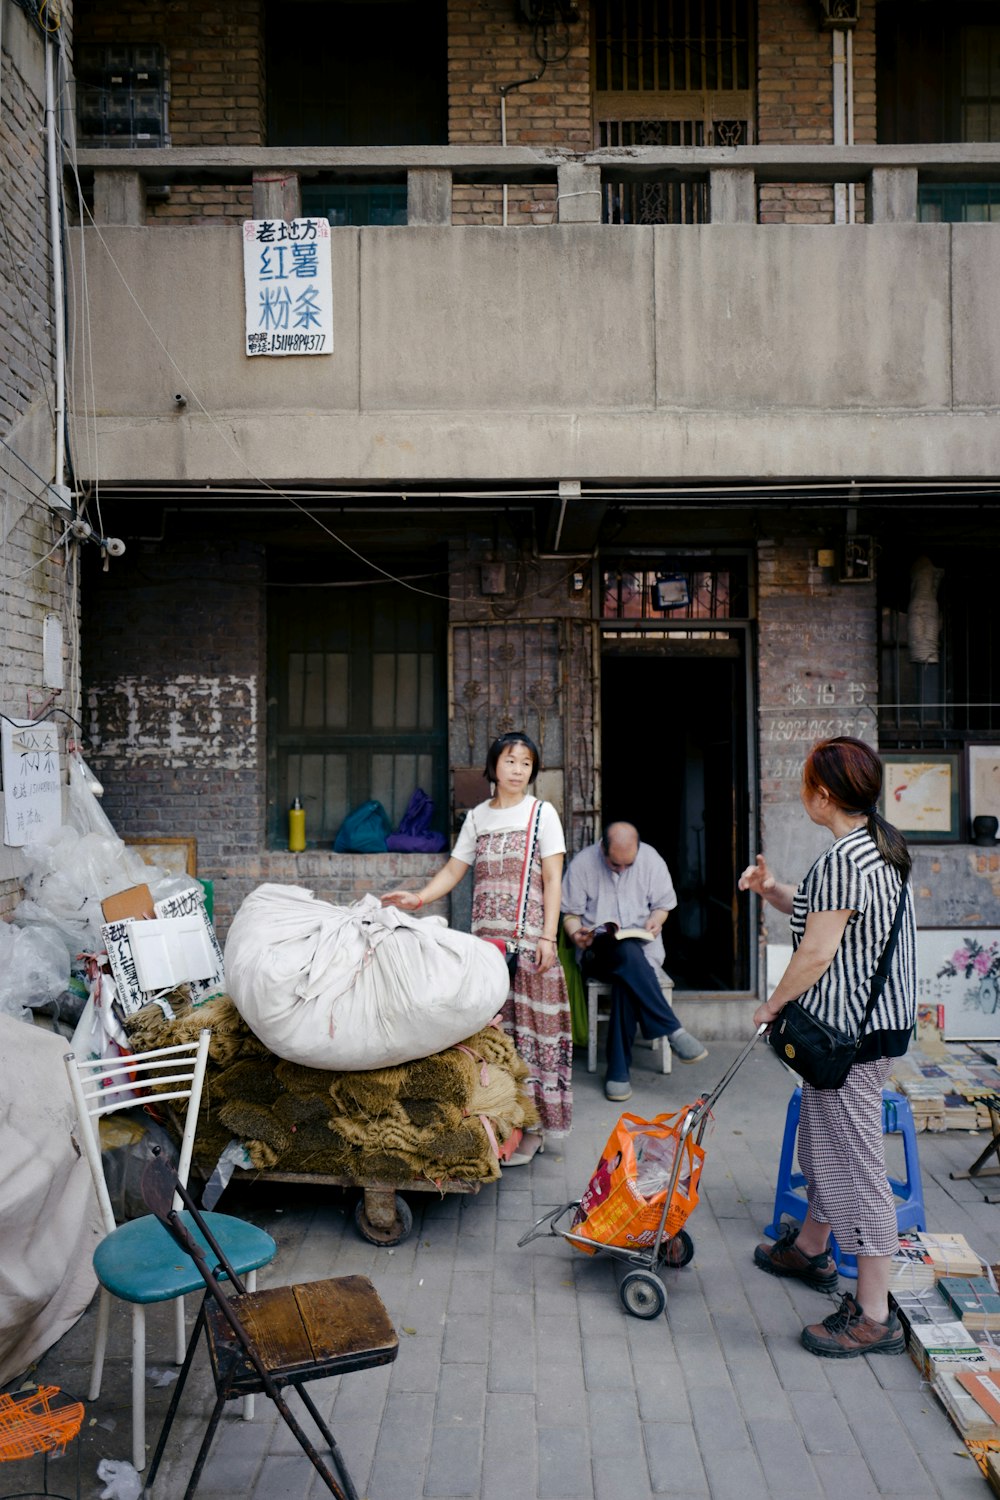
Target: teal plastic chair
{"x":138,"y":1262}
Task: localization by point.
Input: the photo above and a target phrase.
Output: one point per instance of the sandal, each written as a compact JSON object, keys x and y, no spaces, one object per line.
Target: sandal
{"x":528,"y":1147}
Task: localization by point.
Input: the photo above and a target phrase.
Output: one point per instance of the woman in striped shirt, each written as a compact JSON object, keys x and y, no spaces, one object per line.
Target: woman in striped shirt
{"x":841,"y":918}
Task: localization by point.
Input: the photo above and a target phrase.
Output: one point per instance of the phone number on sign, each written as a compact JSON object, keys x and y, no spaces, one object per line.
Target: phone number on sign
{"x":286,"y":343}
{"x":809,"y":729}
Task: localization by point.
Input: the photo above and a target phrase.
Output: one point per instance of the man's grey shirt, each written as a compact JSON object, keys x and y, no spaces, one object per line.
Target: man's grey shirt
{"x":594,"y":892}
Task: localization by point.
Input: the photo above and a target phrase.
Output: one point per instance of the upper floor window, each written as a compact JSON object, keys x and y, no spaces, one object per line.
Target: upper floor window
{"x":670,"y":73}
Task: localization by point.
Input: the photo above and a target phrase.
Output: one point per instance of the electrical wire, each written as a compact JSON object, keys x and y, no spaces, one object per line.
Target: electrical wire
{"x":60,"y":497}
{"x":43,"y":559}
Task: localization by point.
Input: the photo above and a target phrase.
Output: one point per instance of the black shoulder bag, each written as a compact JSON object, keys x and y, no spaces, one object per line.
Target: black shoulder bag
{"x":819,"y":1053}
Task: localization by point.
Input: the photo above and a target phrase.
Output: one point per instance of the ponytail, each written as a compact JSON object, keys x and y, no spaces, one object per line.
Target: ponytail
{"x":890,"y":843}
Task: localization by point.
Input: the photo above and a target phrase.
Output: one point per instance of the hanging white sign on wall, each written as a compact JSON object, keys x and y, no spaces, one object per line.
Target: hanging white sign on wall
{"x":288,"y":285}
{"x":32,"y":781}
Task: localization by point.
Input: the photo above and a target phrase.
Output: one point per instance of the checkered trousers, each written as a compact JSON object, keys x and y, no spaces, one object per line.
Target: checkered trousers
{"x":841,"y":1153}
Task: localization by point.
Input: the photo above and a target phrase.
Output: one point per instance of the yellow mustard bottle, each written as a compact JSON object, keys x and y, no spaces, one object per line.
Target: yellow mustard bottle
{"x":296,"y":827}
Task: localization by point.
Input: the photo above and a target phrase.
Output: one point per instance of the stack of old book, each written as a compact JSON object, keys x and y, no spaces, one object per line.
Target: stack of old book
{"x":926,"y":1098}
{"x":973,"y":1299}
{"x":946,"y":1083}
{"x":948,"y":1304}
{"x":927,"y":1268}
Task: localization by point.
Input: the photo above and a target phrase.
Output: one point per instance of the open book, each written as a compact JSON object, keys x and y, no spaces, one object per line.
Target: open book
{"x":611,"y":929}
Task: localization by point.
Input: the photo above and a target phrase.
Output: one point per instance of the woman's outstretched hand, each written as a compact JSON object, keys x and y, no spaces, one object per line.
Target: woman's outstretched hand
{"x":757,"y":877}
{"x":405,"y":900}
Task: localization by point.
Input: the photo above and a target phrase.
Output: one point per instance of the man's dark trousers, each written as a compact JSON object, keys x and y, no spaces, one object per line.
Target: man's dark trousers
{"x":636,"y":999}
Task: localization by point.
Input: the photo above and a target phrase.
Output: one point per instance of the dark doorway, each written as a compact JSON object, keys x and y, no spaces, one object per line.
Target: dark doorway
{"x":674,"y":763}
{"x":362,"y":74}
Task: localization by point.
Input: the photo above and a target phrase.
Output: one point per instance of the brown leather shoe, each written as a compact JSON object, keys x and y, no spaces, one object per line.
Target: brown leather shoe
{"x":784,"y":1258}
{"x":848,"y":1333}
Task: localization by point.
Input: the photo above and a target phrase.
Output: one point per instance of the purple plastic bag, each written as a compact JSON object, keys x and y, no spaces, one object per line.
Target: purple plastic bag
{"x":414,"y":834}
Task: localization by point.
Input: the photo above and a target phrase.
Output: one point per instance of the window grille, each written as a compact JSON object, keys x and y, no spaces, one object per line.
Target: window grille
{"x":670,"y":73}
{"x":716,"y":592}
{"x":358,"y":702}
{"x":673,"y":46}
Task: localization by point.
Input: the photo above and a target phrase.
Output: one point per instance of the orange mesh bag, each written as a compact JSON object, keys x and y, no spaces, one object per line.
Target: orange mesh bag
{"x":623,"y":1204}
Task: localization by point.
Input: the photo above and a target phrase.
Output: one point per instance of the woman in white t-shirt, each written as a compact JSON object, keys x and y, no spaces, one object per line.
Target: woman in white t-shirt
{"x":510,"y":839}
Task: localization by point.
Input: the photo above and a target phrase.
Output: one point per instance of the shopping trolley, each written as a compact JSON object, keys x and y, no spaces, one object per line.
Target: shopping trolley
{"x":646,"y":1232}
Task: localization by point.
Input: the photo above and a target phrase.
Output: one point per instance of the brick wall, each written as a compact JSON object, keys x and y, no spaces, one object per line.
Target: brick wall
{"x":817,"y":677}
{"x":487,"y":49}
{"x":33,"y":584}
{"x":795,"y":97}
{"x":174,"y":706}
{"x":215,"y":62}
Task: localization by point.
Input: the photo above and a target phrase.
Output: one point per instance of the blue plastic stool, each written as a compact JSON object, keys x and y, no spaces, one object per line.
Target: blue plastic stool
{"x":897,"y":1119}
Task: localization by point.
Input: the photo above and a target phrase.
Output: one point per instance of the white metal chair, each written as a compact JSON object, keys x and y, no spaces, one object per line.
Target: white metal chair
{"x":601,"y":989}
{"x":138,"y":1261}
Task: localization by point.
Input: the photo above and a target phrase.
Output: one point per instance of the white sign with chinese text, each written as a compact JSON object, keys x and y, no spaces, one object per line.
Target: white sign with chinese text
{"x":288,"y":285}
{"x":32,"y":781}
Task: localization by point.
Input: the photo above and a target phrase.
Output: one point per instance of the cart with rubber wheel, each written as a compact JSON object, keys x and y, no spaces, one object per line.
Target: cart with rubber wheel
{"x":641,"y":1290}
{"x":382,"y":1215}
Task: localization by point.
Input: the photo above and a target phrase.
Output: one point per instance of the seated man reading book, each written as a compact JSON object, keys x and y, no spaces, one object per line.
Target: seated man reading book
{"x":618,"y":884}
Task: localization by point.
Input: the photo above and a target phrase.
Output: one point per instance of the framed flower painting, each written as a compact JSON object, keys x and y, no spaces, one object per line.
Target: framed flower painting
{"x":959,"y":969}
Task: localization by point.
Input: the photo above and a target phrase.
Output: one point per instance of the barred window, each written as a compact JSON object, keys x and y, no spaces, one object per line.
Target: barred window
{"x":357,"y":701}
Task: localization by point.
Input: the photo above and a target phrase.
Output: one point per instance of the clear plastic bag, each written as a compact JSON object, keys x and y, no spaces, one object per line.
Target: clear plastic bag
{"x":70,"y":874}
{"x":34,"y":969}
{"x":654,"y":1162}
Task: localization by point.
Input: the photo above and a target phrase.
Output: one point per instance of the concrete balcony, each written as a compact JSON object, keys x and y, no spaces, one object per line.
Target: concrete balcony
{"x":726,"y":350}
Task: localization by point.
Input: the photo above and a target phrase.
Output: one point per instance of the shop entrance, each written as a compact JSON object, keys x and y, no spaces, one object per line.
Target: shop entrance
{"x":675,"y":763}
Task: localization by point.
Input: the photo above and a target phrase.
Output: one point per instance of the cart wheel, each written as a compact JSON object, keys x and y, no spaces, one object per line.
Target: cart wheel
{"x":393,"y":1233}
{"x":678,"y":1250}
{"x":642,"y":1294}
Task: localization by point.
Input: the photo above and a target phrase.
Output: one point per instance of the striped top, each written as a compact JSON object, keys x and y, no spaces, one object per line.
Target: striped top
{"x":852,"y":876}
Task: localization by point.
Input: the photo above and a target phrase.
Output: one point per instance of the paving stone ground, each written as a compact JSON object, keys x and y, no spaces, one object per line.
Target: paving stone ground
{"x":520,"y":1377}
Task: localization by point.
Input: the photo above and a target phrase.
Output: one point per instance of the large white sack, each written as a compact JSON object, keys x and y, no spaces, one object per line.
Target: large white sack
{"x":356,"y":987}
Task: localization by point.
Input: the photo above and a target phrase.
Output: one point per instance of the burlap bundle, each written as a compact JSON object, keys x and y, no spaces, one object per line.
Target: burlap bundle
{"x":421,"y":1120}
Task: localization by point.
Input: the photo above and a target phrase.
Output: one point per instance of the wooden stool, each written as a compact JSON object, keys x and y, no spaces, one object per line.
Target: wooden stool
{"x":982,"y":1166}
{"x":601,"y":988}
{"x":40,"y":1421}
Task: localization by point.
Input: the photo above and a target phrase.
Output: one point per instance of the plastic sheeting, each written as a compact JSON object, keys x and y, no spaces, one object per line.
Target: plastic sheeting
{"x":356,"y":987}
{"x":49,"y":1220}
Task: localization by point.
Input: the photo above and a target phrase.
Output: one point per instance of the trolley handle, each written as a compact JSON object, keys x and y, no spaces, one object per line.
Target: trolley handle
{"x":699,"y":1112}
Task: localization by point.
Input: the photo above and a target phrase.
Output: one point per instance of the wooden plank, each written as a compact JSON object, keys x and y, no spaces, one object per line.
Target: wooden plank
{"x":274,"y":1325}
{"x":344,"y":1316}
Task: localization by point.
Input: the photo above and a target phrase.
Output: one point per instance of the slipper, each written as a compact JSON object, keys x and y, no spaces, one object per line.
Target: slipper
{"x":521,"y":1157}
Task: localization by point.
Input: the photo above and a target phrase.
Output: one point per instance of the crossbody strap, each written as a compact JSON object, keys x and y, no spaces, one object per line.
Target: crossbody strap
{"x":530,"y":843}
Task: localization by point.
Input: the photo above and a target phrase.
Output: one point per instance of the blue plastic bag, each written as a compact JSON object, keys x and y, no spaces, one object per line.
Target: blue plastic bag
{"x":364,"y":830}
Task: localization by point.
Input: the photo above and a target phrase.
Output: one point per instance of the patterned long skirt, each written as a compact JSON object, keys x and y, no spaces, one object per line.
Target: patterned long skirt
{"x":536,"y":1012}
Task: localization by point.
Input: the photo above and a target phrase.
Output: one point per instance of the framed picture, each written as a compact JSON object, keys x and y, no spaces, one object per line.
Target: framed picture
{"x":959,"y":968}
{"x":176,"y":856}
{"x":920,"y":795}
{"x":984,"y":780}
